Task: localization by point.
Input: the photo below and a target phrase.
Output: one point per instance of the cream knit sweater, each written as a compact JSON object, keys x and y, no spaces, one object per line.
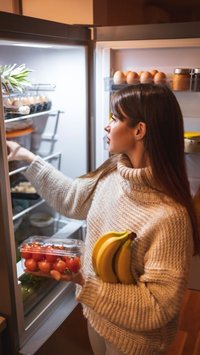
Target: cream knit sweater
{"x":139,"y":319}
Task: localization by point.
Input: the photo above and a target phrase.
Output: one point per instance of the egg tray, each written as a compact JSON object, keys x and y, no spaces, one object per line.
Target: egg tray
{"x":115,"y":87}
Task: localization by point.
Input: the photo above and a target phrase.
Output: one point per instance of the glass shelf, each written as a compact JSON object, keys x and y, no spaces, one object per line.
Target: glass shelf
{"x":49,"y":157}
{"x":33,"y":115}
{"x":28,"y":209}
{"x":42,"y":87}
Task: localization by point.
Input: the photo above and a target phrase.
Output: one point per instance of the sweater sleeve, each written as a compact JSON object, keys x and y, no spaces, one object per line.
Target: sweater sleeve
{"x":155,"y":299}
{"x":65,"y":195}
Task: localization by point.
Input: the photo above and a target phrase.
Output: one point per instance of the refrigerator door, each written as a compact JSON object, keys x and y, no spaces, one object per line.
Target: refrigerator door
{"x":163,"y":47}
{"x":57,"y":54}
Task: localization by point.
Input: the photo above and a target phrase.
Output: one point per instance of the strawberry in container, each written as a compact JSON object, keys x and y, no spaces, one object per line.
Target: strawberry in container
{"x":60,"y":259}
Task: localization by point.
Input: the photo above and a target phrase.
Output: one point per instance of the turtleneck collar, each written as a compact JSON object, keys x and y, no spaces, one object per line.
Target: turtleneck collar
{"x":137,"y":182}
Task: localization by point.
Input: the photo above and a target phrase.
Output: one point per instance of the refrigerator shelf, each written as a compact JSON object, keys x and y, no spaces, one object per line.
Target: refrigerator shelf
{"x":42,"y":87}
{"x":56,"y":155}
{"x":33,"y":115}
{"x":34,"y":291}
{"x":28,"y":209}
{"x":110,"y":86}
{"x":34,"y":87}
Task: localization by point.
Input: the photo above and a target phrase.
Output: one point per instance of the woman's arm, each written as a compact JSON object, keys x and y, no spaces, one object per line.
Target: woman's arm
{"x":65,"y":195}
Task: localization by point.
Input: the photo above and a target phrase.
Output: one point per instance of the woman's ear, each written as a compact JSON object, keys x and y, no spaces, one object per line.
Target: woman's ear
{"x":140,"y":130}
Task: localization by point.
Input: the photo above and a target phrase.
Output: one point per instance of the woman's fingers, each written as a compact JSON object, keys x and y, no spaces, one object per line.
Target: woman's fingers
{"x":17,"y":152}
{"x":13,"y":149}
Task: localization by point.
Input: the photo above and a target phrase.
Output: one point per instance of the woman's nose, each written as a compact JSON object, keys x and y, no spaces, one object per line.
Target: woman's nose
{"x":107,"y":127}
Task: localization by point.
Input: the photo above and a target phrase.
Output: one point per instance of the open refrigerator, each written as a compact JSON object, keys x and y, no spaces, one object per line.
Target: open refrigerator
{"x":73,"y":67}
{"x":56,"y":128}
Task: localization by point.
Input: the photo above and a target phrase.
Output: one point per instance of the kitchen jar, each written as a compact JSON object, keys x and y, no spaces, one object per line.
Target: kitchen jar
{"x":181,"y":79}
{"x":195,"y":79}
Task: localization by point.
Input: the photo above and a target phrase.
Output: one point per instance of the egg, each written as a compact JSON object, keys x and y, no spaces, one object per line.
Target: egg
{"x":146,"y":77}
{"x":38,"y":100}
{"x":44,"y":98}
{"x":17,"y":102}
{"x":30,"y":100}
{"x":8,"y":103}
{"x":153,"y":72}
{"x":140,"y":73}
{"x":132,"y":77}
{"x":25,"y":100}
{"x":160,"y":78}
{"x":126,"y":72}
{"x":119,"y":77}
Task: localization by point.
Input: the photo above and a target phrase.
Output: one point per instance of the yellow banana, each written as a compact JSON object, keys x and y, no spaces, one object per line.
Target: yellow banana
{"x":99,"y":242}
{"x":122,"y":263}
{"x":105,"y":257}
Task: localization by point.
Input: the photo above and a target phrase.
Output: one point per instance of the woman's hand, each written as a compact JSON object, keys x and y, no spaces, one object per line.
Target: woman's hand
{"x":17,"y":152}
{"x":78,"y":279}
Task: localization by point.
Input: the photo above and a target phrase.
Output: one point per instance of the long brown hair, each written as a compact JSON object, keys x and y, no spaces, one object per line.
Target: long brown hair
{"x":157,"y":106}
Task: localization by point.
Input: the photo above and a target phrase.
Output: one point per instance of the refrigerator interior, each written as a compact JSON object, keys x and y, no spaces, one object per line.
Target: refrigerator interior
{"x":145,"y":55}
{"x":60,"y":73}
{"x":63,"y":68}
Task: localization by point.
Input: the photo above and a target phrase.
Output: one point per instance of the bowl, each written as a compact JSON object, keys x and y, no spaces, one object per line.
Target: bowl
{"x":41,"y":220}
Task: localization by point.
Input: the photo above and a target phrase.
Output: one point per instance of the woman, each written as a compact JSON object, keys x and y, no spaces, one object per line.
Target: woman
{"x":143,"y":188}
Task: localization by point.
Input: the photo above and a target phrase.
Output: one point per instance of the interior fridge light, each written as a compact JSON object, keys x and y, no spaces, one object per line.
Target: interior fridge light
{"x":32,"y":45}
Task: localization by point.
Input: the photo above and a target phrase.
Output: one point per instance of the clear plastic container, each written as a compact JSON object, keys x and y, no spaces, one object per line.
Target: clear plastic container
{"x":59,"y":259}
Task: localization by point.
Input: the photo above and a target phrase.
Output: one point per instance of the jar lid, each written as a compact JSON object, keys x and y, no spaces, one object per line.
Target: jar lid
{"x":182,"y":71}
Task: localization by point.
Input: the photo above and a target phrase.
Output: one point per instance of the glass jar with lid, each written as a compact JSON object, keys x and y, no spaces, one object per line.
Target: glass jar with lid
{"x":181,"y":79}
{"x":195,"y":79}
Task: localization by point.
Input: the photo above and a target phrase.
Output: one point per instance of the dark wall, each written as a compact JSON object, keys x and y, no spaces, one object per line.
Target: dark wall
{"x":130,"y":12}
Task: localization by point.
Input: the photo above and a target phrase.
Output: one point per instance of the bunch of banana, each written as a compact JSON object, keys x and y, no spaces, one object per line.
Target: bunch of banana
{"x":111,"y":257}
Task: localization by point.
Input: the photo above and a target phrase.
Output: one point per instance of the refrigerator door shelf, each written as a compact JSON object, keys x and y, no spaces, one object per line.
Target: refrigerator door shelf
{"x":115,"y":87}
